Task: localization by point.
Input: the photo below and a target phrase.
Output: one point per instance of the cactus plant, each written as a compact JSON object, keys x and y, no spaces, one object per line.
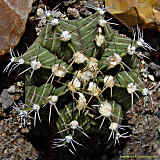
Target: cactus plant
{"x":81,"y":69}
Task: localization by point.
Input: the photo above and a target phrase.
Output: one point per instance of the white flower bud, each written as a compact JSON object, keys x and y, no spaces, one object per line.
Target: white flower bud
{"x":85,"y":76}
{"x":35,"y":64}
{"x":36,"y":107}
{"x":74,"y":124}
{"x":59,"y":70}
{"x":74,"y":84}
{"x":65,"y":36}
{"x":131,"y":88}
{"x":108,"y":81}
{"x":79,"y":58}
{"x":113,"y":126}
{"x":81,"y":102}
{"x":105,"y":109}
{"x":52,"y":99}
{"x":114,"y":60}
{"x":12,"y":59}
{"x":93,"y":89}
{"x":102,"y":22}
{"x":99,"y":40}
{"x":21,"y":61}
{"x":68,"y":139}
{"x":55,"y":22}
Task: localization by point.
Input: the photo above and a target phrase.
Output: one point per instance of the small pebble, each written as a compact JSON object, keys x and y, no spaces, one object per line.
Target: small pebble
{"x":24,"y":130}
{"x":7,"y":100}
{"x":20,"y":140}
{"x":3,"y":134}
{"x":12,"y":89}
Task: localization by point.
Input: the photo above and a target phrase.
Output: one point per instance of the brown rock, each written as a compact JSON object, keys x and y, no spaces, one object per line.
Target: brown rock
{"x":145,"y":13}
{"x":13,"y":17}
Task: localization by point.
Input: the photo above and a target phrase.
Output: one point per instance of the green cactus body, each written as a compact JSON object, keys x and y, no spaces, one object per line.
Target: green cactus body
{"x":100,"y":50}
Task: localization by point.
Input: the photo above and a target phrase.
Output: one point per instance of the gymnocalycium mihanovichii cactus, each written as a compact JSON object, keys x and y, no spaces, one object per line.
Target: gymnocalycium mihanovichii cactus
{"x":84,"y":71}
